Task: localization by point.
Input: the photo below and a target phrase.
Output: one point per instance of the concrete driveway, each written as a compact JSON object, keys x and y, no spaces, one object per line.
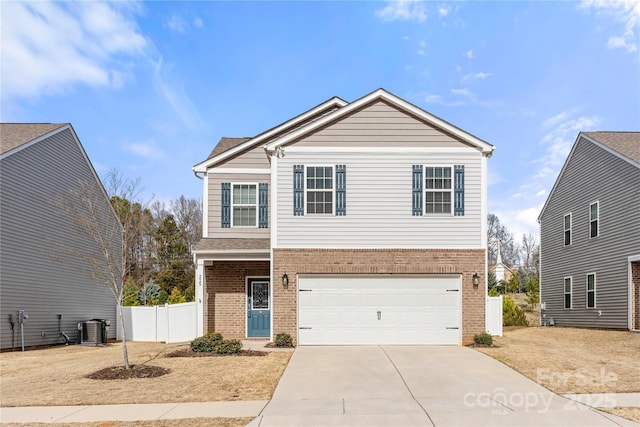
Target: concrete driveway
{"x":415,"y":386}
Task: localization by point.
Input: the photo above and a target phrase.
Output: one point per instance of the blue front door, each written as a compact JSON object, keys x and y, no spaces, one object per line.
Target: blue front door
{"x":258,"y":308}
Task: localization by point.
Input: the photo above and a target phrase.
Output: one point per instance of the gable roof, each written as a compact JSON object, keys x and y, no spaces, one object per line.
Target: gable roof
{"x":13,"y":135}
{"x":624,"y":145}
{"x":383,"y":95}
{"x":232,"y":146}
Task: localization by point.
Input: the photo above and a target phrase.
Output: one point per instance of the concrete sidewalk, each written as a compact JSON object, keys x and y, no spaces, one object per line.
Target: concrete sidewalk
{"x":137,"y":412}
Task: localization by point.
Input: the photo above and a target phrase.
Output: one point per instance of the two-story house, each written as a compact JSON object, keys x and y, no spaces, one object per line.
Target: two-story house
{"x":590,"y":235}
{"x":351,"y":223}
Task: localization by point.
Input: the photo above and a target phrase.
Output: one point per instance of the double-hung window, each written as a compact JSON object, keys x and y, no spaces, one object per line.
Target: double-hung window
{"x":594,"y":217}
{"x":244,"y":201}
{"x":567,"y":229}
{"x":438,"y":193}
{"x":567,"y":292}
{"x":591,"y":290}
{"x":319,"y":189}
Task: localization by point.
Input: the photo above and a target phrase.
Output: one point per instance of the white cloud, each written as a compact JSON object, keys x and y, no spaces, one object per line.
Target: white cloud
{"x":48,"y":48}
{"x":197,"y":22}
{"x":462,"y":92}
{"x":403,"y":10}
{"x":468,"y":54}
{"x":521,"y":221}
{"x":541,"y":193}
{"x":146,"y":150}
{"x":444,"y":10}
{"x":177,"y":23}
{"x":476,"y":76}
{"x":627,"y":12}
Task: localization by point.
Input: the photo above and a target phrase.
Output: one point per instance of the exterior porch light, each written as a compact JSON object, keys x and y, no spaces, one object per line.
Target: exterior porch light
{"x":285,"y":280}
{"x":476,"y":279}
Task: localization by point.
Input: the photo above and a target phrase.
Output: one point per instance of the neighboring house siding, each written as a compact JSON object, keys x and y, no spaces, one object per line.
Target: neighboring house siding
{"x":379,"y":202}
{"x":215,"y":205}
{"x":37,"y":275}
{"x":379,"y":125}
{"x":592,"y":174}
{"x":255,"y":158}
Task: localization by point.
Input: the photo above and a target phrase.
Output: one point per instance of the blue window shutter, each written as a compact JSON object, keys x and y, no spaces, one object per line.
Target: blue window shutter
{"x":341,"y":190}
{"x":226,"y":204}
{"x":458,"y":190}
{"x":417,"y":190}
{"x":298,"y":190}
{"x":263,"y":205}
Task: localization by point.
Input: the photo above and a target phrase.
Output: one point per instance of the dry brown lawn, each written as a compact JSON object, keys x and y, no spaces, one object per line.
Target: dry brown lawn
{"x":191,"y":422}
{"x":56,"y":376}
{"x":571,"y":360}
{"x":628,"y":413}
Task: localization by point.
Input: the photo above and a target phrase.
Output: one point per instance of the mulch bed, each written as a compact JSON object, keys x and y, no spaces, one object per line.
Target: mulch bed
{"x":136,"y":371}
{"x":187,"y":352}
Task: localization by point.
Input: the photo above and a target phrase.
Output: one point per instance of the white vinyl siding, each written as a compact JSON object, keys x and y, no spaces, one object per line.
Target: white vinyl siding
{"x":379,"y":200}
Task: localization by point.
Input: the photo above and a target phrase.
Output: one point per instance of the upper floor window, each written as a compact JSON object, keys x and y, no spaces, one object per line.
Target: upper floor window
{"x":591,"y":290}
{"x":319,"y":189}
{"x":567,"y":292}
{"x":437,"y":190}
{"x":245,"y":205}
{"x":567,"y":229}
{"x":594,"y":216}
{"x":438,"y":193}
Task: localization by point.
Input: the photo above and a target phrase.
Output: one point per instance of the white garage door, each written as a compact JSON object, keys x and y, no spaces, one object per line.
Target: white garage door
{"x":346,"y":310}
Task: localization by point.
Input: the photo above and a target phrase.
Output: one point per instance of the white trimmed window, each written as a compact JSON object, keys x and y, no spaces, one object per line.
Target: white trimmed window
{"x":244,"y":205}
{"x":591,"y":290}
{"x":567,"y":229}
{"x":319,"y":189}
{"x":567,"y":292}
{"x":594,"y":219}
{"x":438,"y":190}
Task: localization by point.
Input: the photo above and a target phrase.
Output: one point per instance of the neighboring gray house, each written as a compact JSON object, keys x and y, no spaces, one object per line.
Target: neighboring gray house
{"x":351,"y":223}
{"x":41,"y":165}
{"x":590,"y":235}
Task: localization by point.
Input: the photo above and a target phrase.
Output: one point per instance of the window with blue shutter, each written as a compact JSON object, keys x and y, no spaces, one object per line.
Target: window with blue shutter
{"x":263,"y":205}
{"x":341,"y":190}
{"x":417,"y":190}
{"x":226,"y":205}
{"x":298,"y":190}
{"x":458,"y":190}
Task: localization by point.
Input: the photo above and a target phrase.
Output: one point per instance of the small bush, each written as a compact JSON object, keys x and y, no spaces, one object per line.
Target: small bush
{"x":228,"y":347}
{"x":206,"y":343}
{"x":513,"y":315}
{"x":483,"y":339}
{"x":284,"y":340}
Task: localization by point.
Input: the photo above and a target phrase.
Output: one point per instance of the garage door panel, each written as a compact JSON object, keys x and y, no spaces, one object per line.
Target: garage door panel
{"x":413,"y":310}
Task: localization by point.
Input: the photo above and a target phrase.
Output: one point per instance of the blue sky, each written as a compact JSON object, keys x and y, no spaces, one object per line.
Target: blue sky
{"x":151,"y":87}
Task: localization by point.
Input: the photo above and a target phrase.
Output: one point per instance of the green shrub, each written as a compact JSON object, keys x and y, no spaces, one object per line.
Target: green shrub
{"x":228,"y":347}
{"x":206,"y":343}
{"x":483,"y":339}
{"x":512,"y":315}
{"x":284,"y":340}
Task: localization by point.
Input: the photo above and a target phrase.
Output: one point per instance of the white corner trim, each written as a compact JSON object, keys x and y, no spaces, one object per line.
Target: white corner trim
{"x":205,"y":205}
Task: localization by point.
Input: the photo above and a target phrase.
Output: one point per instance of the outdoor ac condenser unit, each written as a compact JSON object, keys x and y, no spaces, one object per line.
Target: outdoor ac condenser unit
{"x":91,"y":333}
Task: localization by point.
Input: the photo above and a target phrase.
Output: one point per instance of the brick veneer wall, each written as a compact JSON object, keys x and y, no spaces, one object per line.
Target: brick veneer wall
{"x":225,"y":295}
{"x":379,"y":261}
{"x":635,"y":294}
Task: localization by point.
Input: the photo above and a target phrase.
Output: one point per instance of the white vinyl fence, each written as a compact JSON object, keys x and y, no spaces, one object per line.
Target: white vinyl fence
{"x":161,"y":323}
{"x":494,"y":316}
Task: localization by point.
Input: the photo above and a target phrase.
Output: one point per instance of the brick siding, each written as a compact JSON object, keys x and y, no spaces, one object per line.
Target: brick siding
{"x":225,"y":295}
{"x":379,"y":261}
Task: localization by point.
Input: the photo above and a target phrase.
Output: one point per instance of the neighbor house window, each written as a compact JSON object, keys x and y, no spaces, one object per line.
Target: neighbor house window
{"x":591,"y":290}
{"x":244,"y":205}
{"x":319,"y":189}
{"x":567,"y":292}
{"x":438,"y":194}
{"x":567,"y":229}
{"x":594,"y":216}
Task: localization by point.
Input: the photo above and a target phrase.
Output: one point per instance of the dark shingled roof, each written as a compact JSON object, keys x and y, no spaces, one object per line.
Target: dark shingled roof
{"x":625,"y":143}
{"x":225,"y":144}
{"x":222,"y":244}
{"x":13,"y":135}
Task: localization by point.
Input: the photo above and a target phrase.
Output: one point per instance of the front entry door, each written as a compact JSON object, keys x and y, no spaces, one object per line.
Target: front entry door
{"x":258,"y":308}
